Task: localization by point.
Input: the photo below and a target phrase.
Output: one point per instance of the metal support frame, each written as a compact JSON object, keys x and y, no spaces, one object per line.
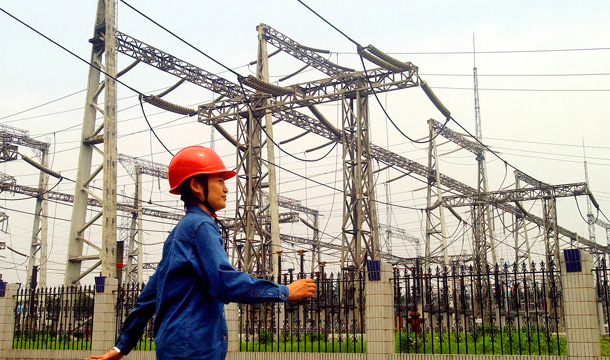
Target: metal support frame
{"x":103,"y":56}
{"x":435,"y":215}
{"x":38,"y":246}
{"x":520,"y":224}
{"x":10,"y":140}
{"x":360,"y":234}
{"x":483,"y":240}
{"x":248,"y":227}
{"x":273,"y":239}
{"x":134,"y":247}
{"x":483,"y":221}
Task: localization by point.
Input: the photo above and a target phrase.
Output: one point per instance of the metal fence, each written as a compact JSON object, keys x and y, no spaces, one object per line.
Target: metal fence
{"x":602,"y":289}
{"x":127,"y":294}
{"x":59,"y":318}
{"x":332,"y":321}
{"x":508,"y":310}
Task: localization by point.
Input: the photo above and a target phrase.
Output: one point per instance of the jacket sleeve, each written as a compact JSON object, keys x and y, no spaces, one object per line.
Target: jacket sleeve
{"x":143,"y":311}
{"x":225,"y":283}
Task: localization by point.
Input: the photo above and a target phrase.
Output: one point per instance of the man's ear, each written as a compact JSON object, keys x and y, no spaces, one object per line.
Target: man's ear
{"x":197,"y":188}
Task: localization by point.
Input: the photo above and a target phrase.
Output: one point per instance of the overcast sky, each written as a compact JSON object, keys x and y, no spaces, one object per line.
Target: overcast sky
{"x":544,"y":88}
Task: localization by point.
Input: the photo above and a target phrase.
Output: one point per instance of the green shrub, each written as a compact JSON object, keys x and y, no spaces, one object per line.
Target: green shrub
{"x":265,"y":336}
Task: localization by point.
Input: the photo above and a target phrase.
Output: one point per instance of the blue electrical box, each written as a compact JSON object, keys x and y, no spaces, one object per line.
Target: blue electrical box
{"x":373,"y":268}
{"x":572,"y":259}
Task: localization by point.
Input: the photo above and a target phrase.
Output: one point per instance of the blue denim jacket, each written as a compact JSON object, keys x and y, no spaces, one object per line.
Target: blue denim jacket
{"x":188,"y":291}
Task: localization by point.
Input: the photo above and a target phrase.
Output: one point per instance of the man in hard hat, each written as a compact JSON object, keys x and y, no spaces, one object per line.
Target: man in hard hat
{"x":194,"y":279}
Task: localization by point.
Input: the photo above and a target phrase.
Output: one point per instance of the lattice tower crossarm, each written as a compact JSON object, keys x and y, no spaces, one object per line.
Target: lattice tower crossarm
{"x":12,"y":135}
{"x":456,"y":138}
{"x":145,"y":166}
{"x":396,"y":232}
{"x":293,"y":204}
{"x":149,"y":55}
{"x":307,"y":55}
{"x":313,"y":93}
{"x":522,"y":194}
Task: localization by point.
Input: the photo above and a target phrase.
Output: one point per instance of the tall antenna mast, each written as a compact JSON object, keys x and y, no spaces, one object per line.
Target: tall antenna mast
{"x":477,"y":108}
{"x":590,"y":217}
{"x":484,"y":222}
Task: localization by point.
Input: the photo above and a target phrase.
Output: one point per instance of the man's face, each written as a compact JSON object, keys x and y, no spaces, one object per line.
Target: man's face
{"x":217,"y":191}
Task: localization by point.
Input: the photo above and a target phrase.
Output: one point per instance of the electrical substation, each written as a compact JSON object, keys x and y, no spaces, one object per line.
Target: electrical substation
{"x":353,"y":168}
{"x":261,"y":118}
{"x":255,"y":107}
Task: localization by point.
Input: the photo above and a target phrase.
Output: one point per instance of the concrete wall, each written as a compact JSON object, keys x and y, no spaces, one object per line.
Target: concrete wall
{"x":580,"y":304}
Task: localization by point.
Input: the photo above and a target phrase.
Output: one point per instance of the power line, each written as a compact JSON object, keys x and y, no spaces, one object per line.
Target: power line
{"x":69,"y":51}
{"x":522,"y":90}
{"x":548,"y":143}
{"x":182,"y":40}
{"x":41,"y":105}
{"x":487,"y":52}
{"x":521,"y":75}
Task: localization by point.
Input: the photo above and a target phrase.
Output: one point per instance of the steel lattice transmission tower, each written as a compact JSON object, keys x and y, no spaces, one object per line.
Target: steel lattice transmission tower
{"x":483,"y":221}
{"x":10,"y":140}
{"x":101,"y":139}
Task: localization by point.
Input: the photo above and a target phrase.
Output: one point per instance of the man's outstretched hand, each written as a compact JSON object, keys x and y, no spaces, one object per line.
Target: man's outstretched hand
{"x":110,"y":355}
{"x":301,"y":289}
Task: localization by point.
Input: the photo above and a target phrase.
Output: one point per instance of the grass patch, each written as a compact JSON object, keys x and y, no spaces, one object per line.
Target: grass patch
{"x":309,"y":344}
{"x":50,"y":343}
{"x":605,"y":343}
{"x":533,"y":340}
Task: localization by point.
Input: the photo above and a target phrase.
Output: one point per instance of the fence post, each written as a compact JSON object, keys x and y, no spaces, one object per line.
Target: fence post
{"x":232,"y":317}
{"x":7,"y":318}
{"x":104,"y":317}
{"x":580,"y":303}
{"x":380,"y":332}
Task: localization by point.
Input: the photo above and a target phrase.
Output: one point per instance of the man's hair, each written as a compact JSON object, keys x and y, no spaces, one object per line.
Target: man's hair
{"x":187,"y":195}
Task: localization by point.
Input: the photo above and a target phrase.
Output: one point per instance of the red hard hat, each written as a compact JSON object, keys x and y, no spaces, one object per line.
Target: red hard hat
{"x":194,"y":160}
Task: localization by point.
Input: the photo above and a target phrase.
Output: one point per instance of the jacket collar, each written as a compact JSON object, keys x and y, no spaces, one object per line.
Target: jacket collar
{"x":196,"y":209}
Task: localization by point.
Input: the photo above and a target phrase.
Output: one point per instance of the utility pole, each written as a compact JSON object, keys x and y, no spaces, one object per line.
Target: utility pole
{"x":262,"y":72}
{"x":103,"y":56}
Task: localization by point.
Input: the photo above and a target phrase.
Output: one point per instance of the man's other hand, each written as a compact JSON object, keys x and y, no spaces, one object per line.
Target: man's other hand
{"x":301,"y":289}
